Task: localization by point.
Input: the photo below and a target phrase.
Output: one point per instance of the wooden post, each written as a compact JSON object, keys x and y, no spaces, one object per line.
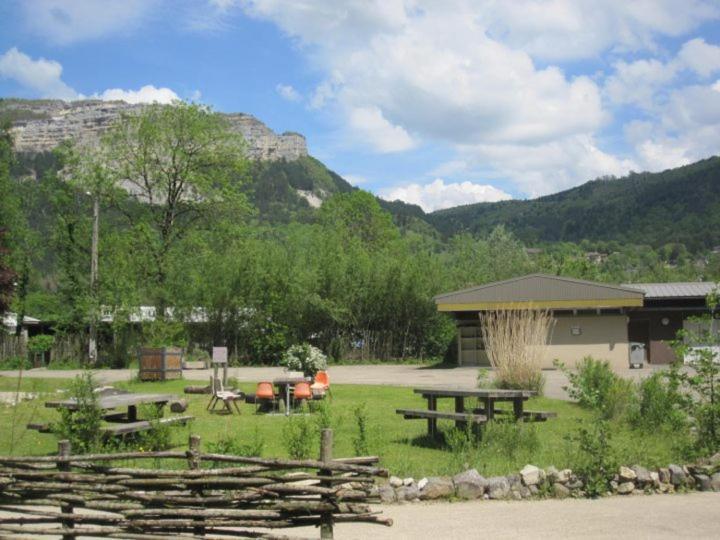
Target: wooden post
{"x":66,"y":508}
{"x":432,"y":422}
{"x":518,"y":408}
{"x":194,"y":464}
{"x":326,"y":450}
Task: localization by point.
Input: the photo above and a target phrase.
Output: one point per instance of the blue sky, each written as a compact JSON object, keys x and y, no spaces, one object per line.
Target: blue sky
{"x":435,"y":103}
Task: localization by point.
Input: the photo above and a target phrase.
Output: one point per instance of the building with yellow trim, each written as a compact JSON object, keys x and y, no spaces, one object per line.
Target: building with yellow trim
{"x":590,"y":319}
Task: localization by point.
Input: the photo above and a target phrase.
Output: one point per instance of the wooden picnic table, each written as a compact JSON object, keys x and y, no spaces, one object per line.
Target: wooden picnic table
{"x":284,"y":385}
{"x":488,"y":396}
{"x":130,"y":401}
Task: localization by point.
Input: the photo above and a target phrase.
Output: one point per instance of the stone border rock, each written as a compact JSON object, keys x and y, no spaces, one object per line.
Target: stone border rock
{"x":533,"y":481}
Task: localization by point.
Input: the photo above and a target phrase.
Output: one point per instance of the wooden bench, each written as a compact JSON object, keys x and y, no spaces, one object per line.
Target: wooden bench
{"x":461,"y":419}
{"x":410,"y":414}
{"x":531,"y":416}
{"x":143,"y":425}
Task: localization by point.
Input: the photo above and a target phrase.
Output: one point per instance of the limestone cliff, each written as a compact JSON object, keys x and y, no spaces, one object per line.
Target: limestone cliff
{"x":40,"y":125}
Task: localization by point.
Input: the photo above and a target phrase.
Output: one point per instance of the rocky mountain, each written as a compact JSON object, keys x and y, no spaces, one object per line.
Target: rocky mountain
{"x":40,"y":125}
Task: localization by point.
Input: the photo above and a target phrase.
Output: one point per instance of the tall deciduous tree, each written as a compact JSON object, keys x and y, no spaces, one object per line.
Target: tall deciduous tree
{"x":7,"y":214}
{"x":171,"y":170}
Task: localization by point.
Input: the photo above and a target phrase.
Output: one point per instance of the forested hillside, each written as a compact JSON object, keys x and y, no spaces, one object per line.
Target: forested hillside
{"x":675,"y":206}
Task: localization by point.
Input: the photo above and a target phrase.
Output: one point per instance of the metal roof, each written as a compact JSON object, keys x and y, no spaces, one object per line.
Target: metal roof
{"x":692,"y":289}
{"x":10,"y":320}
{"x":540,"y":291}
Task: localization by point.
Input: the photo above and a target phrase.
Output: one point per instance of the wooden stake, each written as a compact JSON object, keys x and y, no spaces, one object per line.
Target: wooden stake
{"x":326,"y":448}
{"x":194,"y":464}
{"x":67,"y":508}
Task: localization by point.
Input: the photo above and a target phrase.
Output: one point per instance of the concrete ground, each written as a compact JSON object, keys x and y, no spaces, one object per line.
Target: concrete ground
{"x":693,"y":515}
{"x":393,"y":375}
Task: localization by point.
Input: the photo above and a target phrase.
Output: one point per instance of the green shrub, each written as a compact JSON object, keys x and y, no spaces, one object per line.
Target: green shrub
{"x":15,"y":362}
{"x":592,"y":457}
{"x":299,"y":437}
{"x":594,"y":385}
{"x":360,"y":441}
{"x":233,"y":445}
{"x":159,"y":436}
{"x":657,"y":404}
{"x":81,"y":426}
{"x":506,"y":437}
{"x":463,"y":446}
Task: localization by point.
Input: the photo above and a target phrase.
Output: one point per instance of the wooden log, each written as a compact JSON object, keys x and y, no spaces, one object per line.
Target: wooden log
{"x":193,"y":457}
{"x":159,"y":473}
{"x":93,"y":457}
{"x":178,"y":405}
{"x":197,"y":390}
{"x":299,"y":464}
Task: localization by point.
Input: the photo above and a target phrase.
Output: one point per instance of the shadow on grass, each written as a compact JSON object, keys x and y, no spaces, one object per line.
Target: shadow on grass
{"x":425,"y":441}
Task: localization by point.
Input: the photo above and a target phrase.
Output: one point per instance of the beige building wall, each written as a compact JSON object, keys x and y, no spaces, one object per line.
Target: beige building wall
{"x":604,"y":337}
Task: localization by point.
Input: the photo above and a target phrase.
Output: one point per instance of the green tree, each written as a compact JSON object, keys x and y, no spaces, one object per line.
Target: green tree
{"x":180,"y":168}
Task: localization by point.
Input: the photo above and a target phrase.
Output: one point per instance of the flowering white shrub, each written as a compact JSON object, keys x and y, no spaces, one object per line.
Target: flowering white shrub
{"x":305,"y":358}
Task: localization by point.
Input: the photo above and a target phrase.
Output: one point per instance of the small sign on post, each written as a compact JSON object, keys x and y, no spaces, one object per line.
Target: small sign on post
{"x":219,"y":358}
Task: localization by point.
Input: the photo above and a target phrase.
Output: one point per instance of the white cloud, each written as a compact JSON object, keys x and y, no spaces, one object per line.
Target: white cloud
{"x":486,"y":78}
{"x":438,"y":195}
{"x":370,"y":125}
{"x":549,"y":167}
{"x":43,"y":77}
{"x":576,"y":29}
{"x":287,"y":92}
{"x":701,"y":57}
{"x":146,"y":94}
{"x":69,"y":21}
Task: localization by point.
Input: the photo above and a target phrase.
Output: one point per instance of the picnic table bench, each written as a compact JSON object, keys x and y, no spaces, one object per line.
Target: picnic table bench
{"x":127,"y":422}
{"x":475,"y":416}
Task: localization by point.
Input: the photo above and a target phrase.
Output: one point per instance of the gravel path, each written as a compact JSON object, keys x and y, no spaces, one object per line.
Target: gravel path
{"x":693,"y":515}
{"x":393,"y":375}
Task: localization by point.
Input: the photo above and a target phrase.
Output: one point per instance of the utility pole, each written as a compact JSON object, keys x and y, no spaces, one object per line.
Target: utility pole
{"x":92,"y":343}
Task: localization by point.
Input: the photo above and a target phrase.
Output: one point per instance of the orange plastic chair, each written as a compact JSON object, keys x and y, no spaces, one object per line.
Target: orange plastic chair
{"x":264,"y":392}
{"x":321,"y":384}
{"x":301,"y":391}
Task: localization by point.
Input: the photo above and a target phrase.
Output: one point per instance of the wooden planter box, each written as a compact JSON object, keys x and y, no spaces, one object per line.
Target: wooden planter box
{"x":160,"y":364}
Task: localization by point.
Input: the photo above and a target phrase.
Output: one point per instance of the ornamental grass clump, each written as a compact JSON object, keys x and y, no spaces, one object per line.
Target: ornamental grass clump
{"x":305,"y":358}
{"x":516,"y":345}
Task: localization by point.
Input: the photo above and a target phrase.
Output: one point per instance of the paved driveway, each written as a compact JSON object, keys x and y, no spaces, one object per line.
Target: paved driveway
{"x":393,"y":375}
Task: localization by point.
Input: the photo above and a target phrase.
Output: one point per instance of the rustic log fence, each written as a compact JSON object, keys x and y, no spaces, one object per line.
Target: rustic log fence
{"x":216,"y":496}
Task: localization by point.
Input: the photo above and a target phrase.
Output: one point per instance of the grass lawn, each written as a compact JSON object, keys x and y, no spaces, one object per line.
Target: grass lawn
{"x":401,"y":444}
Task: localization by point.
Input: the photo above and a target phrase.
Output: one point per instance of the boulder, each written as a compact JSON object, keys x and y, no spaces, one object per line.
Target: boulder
{"x":532,"y":475}
{"x":525,"y":492}
{"x":564,"y":476}
{"x":715,"y":481}
{"x":437,"y":487}
{"x":551,"y":473}
{"x":514,"y":480}
{"x":387,"y":494}
{"x":560,"y":491}
{"x":664,"y":474}
{"x":625,"y":488}
{"x":408,"y":481}
{"x":407,"y":493}
{"x":677,"y":475}
{"x":395,"y":481}
{"x":422,"y":483}
{"x":469,"y":484}
{"x":497,"y":487}
{"x":626,"y":474}
{"x":655,"y":479}
{"x":703,"y":482}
